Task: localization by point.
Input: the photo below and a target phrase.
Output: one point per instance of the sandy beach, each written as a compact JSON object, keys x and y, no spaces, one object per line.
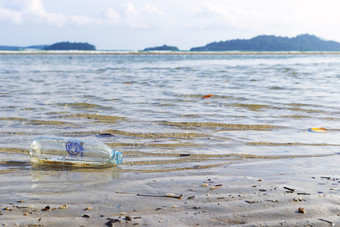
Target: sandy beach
{"x":262,"y":193}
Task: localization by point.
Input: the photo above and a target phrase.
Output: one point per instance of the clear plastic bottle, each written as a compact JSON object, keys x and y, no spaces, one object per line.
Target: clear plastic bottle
{"x":67,"y":151}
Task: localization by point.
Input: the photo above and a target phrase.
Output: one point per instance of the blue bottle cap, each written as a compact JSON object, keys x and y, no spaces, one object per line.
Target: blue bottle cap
{"x":118,"y":157}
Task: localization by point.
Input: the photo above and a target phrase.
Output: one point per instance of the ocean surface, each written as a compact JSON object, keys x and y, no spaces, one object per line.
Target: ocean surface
{"x":167,"y":113}
{"x":153,"y":107}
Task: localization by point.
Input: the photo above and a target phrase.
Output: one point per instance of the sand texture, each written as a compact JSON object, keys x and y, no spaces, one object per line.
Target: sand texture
{"x":252,"y":194}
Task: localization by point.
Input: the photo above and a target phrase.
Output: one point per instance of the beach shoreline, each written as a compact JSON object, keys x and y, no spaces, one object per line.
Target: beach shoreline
{"x":247,"y":194}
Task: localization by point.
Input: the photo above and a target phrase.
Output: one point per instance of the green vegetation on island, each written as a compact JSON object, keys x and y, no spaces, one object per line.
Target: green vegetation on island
{"x":70,"y":46}
{"x":55,"y":46}
{"x":35,"y":47}
{"x":162,"y":48}
{"x":304,"y":42}
{"x":273,"y":43}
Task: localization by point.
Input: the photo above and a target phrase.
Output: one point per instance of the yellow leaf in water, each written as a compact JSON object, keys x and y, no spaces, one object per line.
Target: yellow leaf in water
{"x":322,"y":130}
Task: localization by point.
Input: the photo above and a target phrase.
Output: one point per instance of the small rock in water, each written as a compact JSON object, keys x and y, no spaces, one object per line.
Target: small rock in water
{"x":111,"y":221}
{"x":46,"y":208}
{"x":301,"y":210}
{"x":128,"y":218}
{"x":65,"y":206}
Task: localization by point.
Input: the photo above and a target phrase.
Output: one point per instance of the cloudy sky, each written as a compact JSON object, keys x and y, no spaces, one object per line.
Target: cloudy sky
{"x":136,"y":24}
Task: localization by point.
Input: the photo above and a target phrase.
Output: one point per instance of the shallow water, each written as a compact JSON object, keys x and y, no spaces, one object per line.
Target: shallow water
{"x":150,"y":107}
{"x":261,"y":105}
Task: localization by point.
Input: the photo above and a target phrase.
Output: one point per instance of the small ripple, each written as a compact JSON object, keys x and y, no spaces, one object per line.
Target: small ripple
{"x":289,"y":144}
{"x":176,"y":169}
{"x":252,"y":107}
{"x":153,"y":145}
{"x":84,"y":133}
{"x":11,"y":150}
{"x":103,"y":70}
{"x":295,"y":116}
{"x":96,"y":117}
{"x":83,"y":105}
{"x":154,"y":135}
{"x":277,"y":88}
{"x":36,"y":122}
{"x":222,"y":126}
{"x":309,"y":110}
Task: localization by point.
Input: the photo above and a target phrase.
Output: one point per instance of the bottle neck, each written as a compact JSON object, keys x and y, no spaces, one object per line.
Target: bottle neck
{"x":116,"y":158}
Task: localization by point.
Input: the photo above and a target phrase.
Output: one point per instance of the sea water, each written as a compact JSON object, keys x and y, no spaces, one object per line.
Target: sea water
{"x":150,"y":107}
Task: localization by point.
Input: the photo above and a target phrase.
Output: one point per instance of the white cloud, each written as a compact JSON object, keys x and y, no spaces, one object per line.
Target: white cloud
{"x":112,"y":15}
{"x":10,"y":16}
{"x":142,"y":16}
{"x":126,"y":14}
{"x":177,"y":21}
{"x":34,"y":12}
{"x":153,"y":9}
{"x":131,"y":15}
{"x":176,"y":14}
{"x":130,"y":9}
{"x":36,"y":7}
{"x":84,"y":20}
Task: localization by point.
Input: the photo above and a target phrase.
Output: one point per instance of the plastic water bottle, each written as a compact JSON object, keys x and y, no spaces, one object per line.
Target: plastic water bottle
{"x":67,"y":151}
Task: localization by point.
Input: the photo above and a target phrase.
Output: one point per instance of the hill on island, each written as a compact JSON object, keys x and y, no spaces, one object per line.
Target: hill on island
{"x":55,"y":46}
{"x":164,"y":48}
{"x":304,"y":42}
{"x":70,"y":46}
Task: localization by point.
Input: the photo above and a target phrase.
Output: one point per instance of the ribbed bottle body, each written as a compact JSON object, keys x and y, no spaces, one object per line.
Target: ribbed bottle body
{"x":69,"y":151}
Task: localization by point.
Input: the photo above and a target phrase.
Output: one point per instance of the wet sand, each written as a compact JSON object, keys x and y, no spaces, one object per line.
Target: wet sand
{"x":296,"y":192}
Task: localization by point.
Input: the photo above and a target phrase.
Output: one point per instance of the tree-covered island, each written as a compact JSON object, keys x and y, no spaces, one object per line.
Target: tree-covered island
{"x":70,"y":46}
{"x":162,"y":48}
{"x":272,"y":43}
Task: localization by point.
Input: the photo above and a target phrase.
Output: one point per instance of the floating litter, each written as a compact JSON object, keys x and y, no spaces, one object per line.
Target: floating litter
{"x":207,"y":96}
{"x":321,"y":130}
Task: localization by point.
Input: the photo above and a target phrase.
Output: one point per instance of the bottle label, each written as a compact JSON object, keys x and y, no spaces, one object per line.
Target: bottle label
{"x":74,"y":148}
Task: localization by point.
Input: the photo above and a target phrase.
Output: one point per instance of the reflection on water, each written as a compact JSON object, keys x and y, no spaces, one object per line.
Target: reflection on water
{"x":54,"y":179}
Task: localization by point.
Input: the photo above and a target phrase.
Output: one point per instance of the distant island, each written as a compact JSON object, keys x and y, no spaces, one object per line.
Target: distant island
{"x":36,"y":47}
{"x":70,"y":46}
{"x":304,"y":42}
{"x":55,"y":46}
{"x":164,"y":48}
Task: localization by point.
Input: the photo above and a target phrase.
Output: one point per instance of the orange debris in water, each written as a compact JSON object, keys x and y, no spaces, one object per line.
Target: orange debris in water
{"x":206,"y":96}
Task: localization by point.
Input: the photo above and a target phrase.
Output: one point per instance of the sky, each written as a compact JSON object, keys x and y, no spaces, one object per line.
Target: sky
{"x":137,"y":24}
